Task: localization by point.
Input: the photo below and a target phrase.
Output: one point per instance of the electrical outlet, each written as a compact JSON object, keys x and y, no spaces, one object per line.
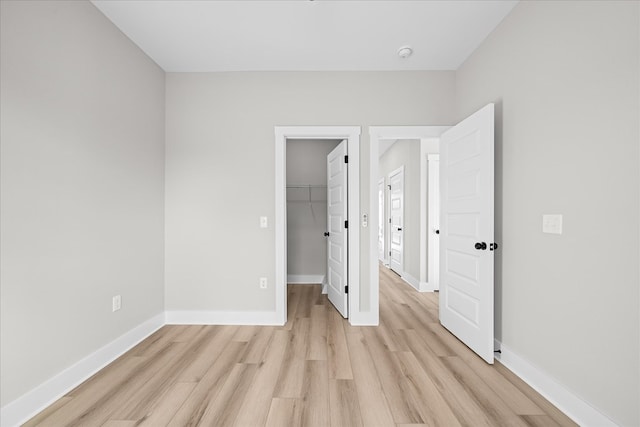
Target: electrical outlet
{"x":263,"y":283}
{"x":116,"y":303}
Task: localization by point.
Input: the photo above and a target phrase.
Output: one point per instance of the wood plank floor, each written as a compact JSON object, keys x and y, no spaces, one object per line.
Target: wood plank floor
{"x":316,"y":371}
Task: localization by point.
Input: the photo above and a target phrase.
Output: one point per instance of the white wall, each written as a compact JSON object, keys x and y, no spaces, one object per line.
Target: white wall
{"x":220,"y":173}
{"x":307,"y":208}
{"x":565,"y":78}
{"x":82,"y":132}
{"x":406,"y":153}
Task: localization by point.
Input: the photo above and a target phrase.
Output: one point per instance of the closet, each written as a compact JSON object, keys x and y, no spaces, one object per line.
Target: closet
{"x":306,"y":175}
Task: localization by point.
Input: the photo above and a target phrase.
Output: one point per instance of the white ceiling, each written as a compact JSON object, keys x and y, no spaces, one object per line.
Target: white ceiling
{"x":297,"y":35}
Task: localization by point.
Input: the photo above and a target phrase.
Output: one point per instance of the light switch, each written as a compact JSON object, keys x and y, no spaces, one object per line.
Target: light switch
{"x":263,"y":222}
{"x":552,"y":224}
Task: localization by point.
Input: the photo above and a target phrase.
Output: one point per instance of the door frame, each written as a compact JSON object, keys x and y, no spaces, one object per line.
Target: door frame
{"x":382,"y":184}
{"x":352,"y":135}
{"x":377,"y":133}
{"x":433,"y":243}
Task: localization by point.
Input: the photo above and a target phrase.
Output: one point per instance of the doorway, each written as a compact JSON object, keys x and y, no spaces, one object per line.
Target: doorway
{"x":466,"y":306}
{"x":381,"y":138}
{"x":298,"y":133}
{"x":306,"y":172}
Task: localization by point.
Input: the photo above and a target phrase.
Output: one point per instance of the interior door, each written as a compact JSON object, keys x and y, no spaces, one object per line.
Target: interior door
{"x":396,"y":220}
{"x":381,"y":215}
{"x":337,"y":277}
{"x":466,"y":231}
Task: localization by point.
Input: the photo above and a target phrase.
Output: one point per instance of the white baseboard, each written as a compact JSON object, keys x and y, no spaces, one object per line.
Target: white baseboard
{"x":415,"y":283}
{"x":573,"y":406}
{"x":222,"y":318}
{"x":364,"y":318}
{"x":304,"y":279}
{"x":36,"y":400}
{"x":425,"y":287}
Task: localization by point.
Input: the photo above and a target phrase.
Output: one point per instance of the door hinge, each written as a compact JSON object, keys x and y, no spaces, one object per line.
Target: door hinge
{"x":346,"y":159}
{"x":389,"y":253}
{"x":346,"y":224}
{"x":389,"y":220}
{"x":389,"y":187}
{"x":346,"y":289}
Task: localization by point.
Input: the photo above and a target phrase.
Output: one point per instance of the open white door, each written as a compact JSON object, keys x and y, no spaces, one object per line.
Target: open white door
{"x":466,"y":231}
{"x":396,"y":220}
{"x":337,"y":222}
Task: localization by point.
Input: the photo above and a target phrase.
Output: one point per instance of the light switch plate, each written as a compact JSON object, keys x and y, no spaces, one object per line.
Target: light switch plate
{"x":263,"y":222}
{"x":552,"y":224}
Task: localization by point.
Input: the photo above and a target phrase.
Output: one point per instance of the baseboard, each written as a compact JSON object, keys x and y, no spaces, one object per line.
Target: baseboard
{"x":222,"y":318}
{"x":36,"y":400}
{"x":425,"y":287}
{"x":366,"y":318}
{"x":573,"y":406}
{"x":304,"y":279}
{"x":415,"y":283}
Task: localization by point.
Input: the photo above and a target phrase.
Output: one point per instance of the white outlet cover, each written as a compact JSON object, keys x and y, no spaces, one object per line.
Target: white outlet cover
{"x":264,"y":222}
{"x":263,"y":283}
{"x":552,"y":224}
{"x":116,"y":303}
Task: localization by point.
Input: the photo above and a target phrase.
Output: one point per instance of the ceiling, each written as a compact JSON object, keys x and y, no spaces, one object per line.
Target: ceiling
{"x":303,"y":35}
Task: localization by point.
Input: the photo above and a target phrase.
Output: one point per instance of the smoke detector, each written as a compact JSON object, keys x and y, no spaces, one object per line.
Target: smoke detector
{"x":405,"y":52}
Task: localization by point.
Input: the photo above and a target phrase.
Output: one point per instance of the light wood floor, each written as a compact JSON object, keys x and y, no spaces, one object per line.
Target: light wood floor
{"x":315,"y":371}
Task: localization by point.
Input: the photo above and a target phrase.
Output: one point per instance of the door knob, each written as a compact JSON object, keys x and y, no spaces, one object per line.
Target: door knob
{"x":481,"y":246}
{"x":326,"y":234}
{"x":399,"y":228}
{"x":437,"y":231}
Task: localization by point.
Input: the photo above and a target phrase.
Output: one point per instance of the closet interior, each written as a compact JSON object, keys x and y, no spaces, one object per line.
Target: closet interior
{"x":307,"y":209}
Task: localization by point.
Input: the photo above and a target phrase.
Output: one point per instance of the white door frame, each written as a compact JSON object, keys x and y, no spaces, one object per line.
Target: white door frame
{"x":376,"y":133}
{"x":382,"y":185}
{"x":433,"y":162}
{"x":352,"y":135}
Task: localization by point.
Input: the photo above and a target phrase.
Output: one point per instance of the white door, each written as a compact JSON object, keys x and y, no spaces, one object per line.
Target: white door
{"x":337,"y":223}
{"x":466,"y":231}
{"x":396,"y":220}
{"x":381,"y":216}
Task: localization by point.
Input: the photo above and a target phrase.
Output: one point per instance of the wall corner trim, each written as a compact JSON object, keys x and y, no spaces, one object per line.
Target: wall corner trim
{"x":573,"y":406}
{"x":36,"y":400}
